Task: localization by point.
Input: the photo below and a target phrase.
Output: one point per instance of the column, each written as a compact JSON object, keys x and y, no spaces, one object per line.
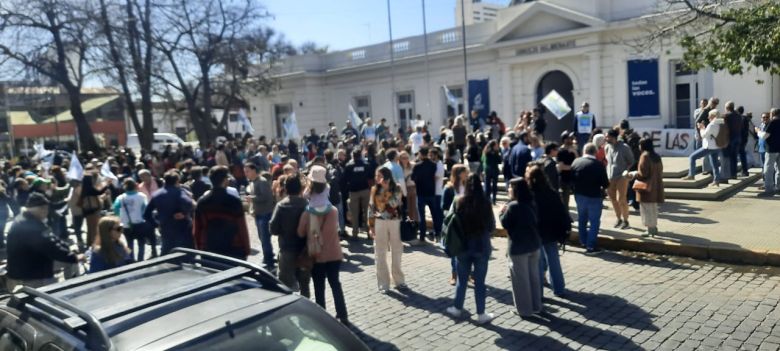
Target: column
{"x":594,"y":80}
{"x":506,"y":92}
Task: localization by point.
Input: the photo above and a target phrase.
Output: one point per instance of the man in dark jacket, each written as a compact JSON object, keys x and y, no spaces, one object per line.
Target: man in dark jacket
{"x":220,"y":225}
{"x":550,"y":166}
{"x":173,"y":207}
{"x":335,"y":180}
{"x":357,"y":174}
{"x":731,"y":152}
{"x":590,"y":180}
{"x":424,"y":177}
{"x":284,"y":224}
{"x":33,"y":248}
{"x":519,"y":156}
{"x":197,"y":186}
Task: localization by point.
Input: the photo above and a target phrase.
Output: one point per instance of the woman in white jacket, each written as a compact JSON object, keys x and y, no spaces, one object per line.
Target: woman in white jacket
{"x":709,"y":147}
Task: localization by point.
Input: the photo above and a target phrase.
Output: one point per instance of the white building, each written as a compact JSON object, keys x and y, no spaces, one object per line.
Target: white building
{"x":576,"y":47}
{"x":476,"y":11}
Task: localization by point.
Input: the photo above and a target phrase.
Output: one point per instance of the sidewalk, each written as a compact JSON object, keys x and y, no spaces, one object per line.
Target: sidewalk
{"x":742,"y":229}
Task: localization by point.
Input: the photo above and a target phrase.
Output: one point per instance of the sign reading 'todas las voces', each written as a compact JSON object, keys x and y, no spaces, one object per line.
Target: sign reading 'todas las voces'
{"x":643,"y":88}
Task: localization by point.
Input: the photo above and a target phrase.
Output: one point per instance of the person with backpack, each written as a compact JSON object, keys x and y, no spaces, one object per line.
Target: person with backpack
{"x":519,"y":218}
{"x":319,"y":225}
{"x":554,"y":225}
{"x":473,"y":221}
{"x":219,"y":224}
{"x":710,"y":136}
{"x":130,"y":208}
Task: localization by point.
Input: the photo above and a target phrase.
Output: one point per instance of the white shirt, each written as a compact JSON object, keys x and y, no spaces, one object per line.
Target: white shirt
{"x":439,"y":175}
{"x":416,"y":139}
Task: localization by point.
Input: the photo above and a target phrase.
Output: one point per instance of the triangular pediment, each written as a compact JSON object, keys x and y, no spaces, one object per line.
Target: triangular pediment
{"x":540,"y":19}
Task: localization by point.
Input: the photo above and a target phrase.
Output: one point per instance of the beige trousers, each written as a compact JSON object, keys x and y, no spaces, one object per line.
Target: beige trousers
{"x":388,"y":235}
{"x":649,"y":213}
{"x":617,"y":191}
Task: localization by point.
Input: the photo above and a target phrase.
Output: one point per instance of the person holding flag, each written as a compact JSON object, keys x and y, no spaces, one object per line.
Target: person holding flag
{"x":245,"y":122}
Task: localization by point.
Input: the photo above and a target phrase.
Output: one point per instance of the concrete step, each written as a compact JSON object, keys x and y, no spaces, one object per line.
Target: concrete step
{"x":701,"y":181}
{"x":712,"y":193}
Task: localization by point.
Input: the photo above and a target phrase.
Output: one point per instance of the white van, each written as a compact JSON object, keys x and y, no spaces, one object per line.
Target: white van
{"x":161,"y":140}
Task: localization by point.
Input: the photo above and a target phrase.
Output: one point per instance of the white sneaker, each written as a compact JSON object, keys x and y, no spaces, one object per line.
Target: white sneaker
{"x":454,"y":311}
{"x":485,"y":318}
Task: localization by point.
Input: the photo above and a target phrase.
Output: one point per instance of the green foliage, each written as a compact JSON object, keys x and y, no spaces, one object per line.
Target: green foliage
{"x":736,"y":39}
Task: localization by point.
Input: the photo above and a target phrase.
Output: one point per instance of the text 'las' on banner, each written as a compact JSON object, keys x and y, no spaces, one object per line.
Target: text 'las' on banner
{"x":643,"y":88}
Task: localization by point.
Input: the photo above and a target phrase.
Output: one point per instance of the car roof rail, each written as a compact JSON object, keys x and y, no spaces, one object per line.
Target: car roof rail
{"x":60,"y":312}
{"x":93,"y":277}
{"x":217,"y":261}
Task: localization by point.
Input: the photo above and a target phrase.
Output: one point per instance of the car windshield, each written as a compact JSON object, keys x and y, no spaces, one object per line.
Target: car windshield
{"x":286,"y":329}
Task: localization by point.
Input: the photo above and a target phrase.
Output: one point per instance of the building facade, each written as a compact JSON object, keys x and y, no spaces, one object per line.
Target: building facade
{"x":579,"y":48}
{"x":475,"y":11}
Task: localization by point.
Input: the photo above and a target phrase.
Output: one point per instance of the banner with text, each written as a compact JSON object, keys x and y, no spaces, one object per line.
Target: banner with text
{"x":479,"y":97}
{"x":670,"y":142}
{"x":643,"y":88}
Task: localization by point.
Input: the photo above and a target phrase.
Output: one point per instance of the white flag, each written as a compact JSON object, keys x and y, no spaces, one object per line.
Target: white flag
{"x":245,"y":121}
{"x":105,"y":172}
{"x":291,"y":128}
{"x":451,"y":99}
{"x":354,"y":118}
{"x":75,"y":171}
{"x":43,"y":154}
{"x":556,"y":104}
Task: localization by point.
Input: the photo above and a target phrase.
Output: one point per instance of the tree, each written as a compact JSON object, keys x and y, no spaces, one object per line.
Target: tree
{"x":51,"y":38}
{"x":195,"y":32}
{"x":724,"y":35}
{"x":127,"y":52}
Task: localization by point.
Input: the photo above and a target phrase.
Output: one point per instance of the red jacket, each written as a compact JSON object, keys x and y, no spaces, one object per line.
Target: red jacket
{"x":220,"y":226}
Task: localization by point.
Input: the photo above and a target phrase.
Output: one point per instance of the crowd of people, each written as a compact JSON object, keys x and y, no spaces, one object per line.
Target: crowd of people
{"x":375,"y":181}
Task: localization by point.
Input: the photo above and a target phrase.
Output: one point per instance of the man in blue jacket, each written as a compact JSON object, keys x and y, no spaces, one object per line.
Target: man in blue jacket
{"x":173,"y":207}
{"x":519,"y":156}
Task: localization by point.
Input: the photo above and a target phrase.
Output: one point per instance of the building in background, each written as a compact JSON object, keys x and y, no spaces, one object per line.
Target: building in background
{"x":476,"y":11}
{"x":41,"y":114}
{"x":575,"y":47}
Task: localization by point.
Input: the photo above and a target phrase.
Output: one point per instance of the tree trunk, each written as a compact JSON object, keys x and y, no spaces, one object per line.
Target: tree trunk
{"x":86,"y":138}
{"x":198,"y":123}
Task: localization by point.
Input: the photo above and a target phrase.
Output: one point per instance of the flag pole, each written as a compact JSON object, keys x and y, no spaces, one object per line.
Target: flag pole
{"x":427,"y":66}
{"x":465,"y":69}
{"x":392,"y":66}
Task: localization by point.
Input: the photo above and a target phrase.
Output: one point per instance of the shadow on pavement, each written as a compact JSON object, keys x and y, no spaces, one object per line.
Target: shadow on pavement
{"x":606,"y":309}
{"x":509,"y":339}
{"x":414,"y":299}
{"x":372,"y":342}
{"x":642,"y":259}
{"x":594,"y":337}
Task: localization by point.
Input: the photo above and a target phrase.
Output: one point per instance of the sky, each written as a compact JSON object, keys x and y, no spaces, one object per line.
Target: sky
{"x":344,"y":24}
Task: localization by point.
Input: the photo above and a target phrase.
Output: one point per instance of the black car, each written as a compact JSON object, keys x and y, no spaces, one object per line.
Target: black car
{"x":187,"y":300}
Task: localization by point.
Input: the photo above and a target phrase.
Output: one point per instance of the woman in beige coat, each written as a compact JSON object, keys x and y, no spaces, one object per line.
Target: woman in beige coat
{"x":650,"y":172}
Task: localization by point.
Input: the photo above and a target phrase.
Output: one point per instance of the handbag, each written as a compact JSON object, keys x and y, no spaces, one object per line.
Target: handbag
{"x":641,"y":186}
{"x":409,"y":229}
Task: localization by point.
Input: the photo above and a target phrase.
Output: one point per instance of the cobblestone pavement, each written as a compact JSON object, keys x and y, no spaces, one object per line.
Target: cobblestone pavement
{"x":616,"y":301}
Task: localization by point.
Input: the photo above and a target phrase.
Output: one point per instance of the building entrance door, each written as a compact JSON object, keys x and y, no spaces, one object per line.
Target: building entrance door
{"x":405,"y":105}
{"x":560,"y":82}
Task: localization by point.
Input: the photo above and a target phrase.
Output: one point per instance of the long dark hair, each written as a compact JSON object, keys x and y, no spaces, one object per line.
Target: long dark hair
{"x":537,"y":180}
{"x":521,"y":192}
{"x":489,"y":147}
{"x":387,"y":174}
{"x":646,"y":145}
{"x":473,"y":208}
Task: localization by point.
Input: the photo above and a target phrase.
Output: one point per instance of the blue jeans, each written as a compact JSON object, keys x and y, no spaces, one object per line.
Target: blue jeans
{"x":762,"y":158}
{"x":480,"y":264}
{"x":588,"y":210}
{"x":712,"y":155}
{"x":491,"y":184}
{"x":436,"y":213}
{"x":264,"y":232}
{"x":549,"y":258}
{"x":340,"y":208}
{"x":330,"y":271}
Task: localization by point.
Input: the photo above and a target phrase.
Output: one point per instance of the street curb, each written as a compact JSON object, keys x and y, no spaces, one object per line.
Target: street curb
{"x":735,"y":255}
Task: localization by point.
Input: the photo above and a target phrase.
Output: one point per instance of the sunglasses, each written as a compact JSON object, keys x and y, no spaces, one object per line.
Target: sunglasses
{"x":117,"y":228}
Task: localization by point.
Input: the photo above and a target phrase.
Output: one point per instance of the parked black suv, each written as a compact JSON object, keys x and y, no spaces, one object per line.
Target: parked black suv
{"x":187,"y":300}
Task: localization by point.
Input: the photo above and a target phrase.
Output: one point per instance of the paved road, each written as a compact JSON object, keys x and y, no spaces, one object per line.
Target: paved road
{"x":617,"y":301}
